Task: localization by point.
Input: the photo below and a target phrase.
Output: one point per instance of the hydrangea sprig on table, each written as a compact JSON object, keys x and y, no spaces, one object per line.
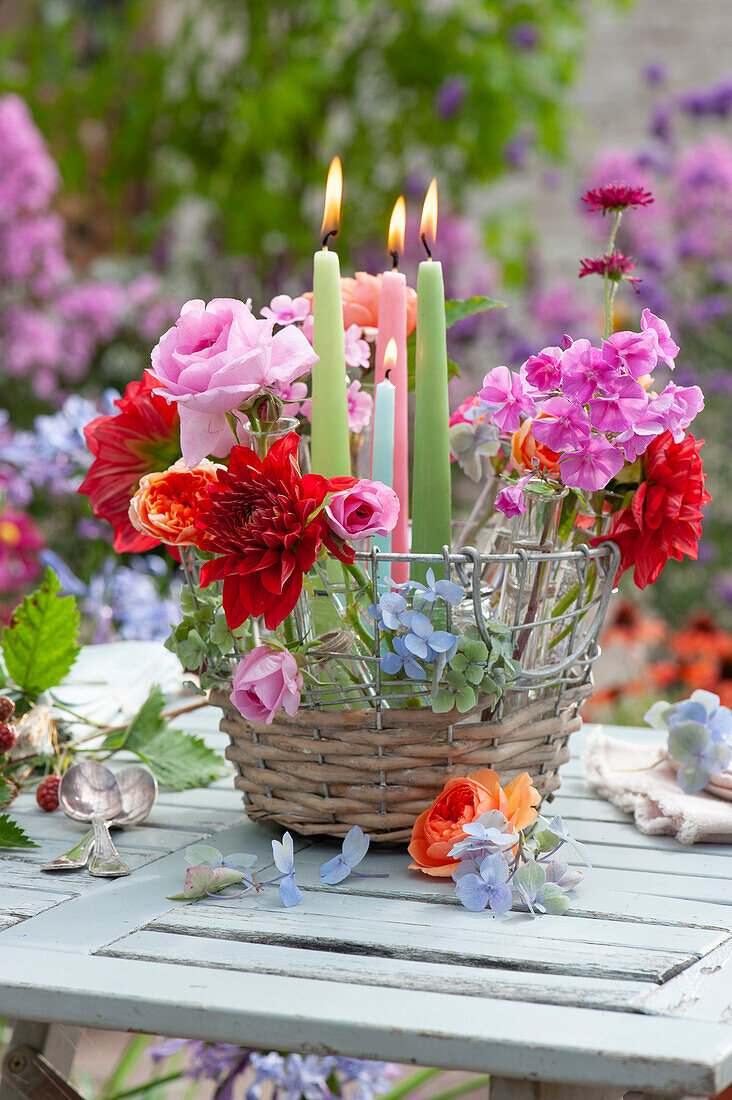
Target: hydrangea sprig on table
{"x":491,"y":841}
{"x":699,"y":743}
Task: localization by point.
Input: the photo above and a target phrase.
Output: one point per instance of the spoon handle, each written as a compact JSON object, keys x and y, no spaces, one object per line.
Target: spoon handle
{"x":106,"y":861}
{"x":76,"y":857}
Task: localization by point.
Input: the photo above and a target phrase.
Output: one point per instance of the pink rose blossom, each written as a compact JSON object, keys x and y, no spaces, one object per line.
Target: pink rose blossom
{"x":544,"y":371}
{"x":593,"y":466}
{"x":358,"y":351}
{"x":667,"y":349}
{"x":563,"y":426}
{"x":586,"y":372}
{"x":368,"y":508}
{"x":284,"y":310}
{"x":266,"y":680}
{"x":619,"y":410}
{"x":217,"y":358}
{"x":360,"y":408}
{"x":505,"y":391}
{"x":635,"y":353}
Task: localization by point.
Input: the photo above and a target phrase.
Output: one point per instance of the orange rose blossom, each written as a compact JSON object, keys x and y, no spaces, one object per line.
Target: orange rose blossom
{"x":461,"y":802}
{"x":166,"y":503}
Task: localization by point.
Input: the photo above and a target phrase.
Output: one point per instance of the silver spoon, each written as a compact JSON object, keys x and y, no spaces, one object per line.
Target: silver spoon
{"x":90,"y":792}
{"x":139,"y":789}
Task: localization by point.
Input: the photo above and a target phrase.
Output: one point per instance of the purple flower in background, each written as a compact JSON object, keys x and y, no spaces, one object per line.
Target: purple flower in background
{"x":505,"y":391}
{"x":593,"y":467}
{"x":619,"y":410}
{"x":654,"y":73}
{"x":284,"y":310}
{"x":29,"y":177}
{"x":450,"y":96}
{"x":525,"y":36}
{"x":563,"y":426}
{"x":518,"y":148}
{"x":366,"y":1079}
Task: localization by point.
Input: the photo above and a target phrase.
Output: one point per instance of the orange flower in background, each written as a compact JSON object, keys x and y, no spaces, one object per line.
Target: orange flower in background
{"x":462,"y":801}
{"x":524,"y":449}
{"x":360,"y":298}
{"x":166,"y":504}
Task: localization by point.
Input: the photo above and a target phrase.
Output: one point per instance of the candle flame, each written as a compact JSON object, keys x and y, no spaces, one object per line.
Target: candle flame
{"x":428,"y":224}
{"x":390,"y":357}
{"x":397,"y":228}
{"x":333,"y":195}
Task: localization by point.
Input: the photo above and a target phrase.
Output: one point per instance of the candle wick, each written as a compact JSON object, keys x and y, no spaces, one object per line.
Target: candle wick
{"x":394,"y":260}
{"x":386,"y":375}
{"x":426,"y":246}
{"x":328,"y":235}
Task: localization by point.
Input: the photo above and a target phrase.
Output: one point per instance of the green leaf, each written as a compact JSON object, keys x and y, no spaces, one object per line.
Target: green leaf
{"x":148,"y":722}
{"x":40,"y":643}
{"x":180,"y":760}
{"x":458,"y":310}
{"x":443,"y":702}
{"x":12,"y":836}
{"x":6,"y":793}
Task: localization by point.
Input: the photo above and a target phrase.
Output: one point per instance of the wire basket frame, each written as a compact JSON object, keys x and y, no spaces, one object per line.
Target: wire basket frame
{"x":369,"y":754}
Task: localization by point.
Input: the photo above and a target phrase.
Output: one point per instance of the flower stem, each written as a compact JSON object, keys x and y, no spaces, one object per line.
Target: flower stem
{"x":610,"y":284}
{"x":420,"y":1077}
{"x":458,"y":1090}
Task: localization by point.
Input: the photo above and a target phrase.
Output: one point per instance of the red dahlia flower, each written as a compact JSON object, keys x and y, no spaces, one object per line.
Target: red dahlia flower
{"x":143,"y":437}
{"x":614,"y":197}
{"x":268,"y":523}
{"x":664,"y":519}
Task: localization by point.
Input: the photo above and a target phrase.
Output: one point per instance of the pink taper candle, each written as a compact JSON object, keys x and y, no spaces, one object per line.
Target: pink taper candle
{"x":393,"y":326}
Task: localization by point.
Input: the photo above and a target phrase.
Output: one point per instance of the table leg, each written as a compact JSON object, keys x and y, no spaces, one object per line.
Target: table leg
{"x":510,"y":1088}
{"x":56,"y":1042}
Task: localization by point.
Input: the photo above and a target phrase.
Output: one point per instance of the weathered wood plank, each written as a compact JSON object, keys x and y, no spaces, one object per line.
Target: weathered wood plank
{"x":436,"y":941}
{"x":704,"y":994}
{"x":432,"y":977}
{"x":471,"y":1033}
{"x":22,"y":903}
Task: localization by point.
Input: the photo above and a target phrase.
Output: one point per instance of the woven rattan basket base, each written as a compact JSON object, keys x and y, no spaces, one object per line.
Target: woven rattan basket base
{"x":323,"y":771}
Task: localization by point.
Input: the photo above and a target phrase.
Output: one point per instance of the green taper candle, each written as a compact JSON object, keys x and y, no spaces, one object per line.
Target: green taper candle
{"x":329,"y":450}
{"x":431,"y":488}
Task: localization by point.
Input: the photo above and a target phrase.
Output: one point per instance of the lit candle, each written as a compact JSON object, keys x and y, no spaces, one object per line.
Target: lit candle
{"x":329,"y":451}
{"x":431,"y":489}
{"x":393,"y":329}
{"x":383,"y":438}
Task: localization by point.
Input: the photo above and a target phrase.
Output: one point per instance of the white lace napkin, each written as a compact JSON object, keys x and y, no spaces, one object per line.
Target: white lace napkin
{"x":642,"y":781}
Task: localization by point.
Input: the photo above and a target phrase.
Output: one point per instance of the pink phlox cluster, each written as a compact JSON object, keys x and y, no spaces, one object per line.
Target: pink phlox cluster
{"x":593,"y":406}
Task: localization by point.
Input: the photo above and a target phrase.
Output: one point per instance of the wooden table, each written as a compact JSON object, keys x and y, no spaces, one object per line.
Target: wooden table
{"x":632,"y":989}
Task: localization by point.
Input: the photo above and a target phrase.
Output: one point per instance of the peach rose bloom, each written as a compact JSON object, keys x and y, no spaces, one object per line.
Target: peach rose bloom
{"x":166,"y":504}
{"x":461,"y":802}
{"x":360,"y":298}
{"x":524,"y":447}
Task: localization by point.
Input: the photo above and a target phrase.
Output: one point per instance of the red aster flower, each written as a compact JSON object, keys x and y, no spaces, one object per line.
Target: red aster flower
{"x":268,"y":523}
{"x":614,"y":197}
{"x":143,"y":437}
{"x":613,"y":264}
{"x":665,"y":514}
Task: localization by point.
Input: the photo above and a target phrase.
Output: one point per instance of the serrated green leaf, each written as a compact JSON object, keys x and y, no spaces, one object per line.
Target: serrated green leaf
{"x":465,"y":699}
{"x":12,"y":836}
{"x":474,"y":675}
{"x":458,"y":310}
{"x":444,"y":702}
{"x":476,"y":651}
{"x":40,"y":642}
{"x":180,"y":760}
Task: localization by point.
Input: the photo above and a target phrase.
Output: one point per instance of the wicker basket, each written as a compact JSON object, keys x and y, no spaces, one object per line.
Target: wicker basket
{"x":328,"y":769}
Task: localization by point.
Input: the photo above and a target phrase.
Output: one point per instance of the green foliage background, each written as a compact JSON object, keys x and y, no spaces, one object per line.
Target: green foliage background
{"x":242,"y":103}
